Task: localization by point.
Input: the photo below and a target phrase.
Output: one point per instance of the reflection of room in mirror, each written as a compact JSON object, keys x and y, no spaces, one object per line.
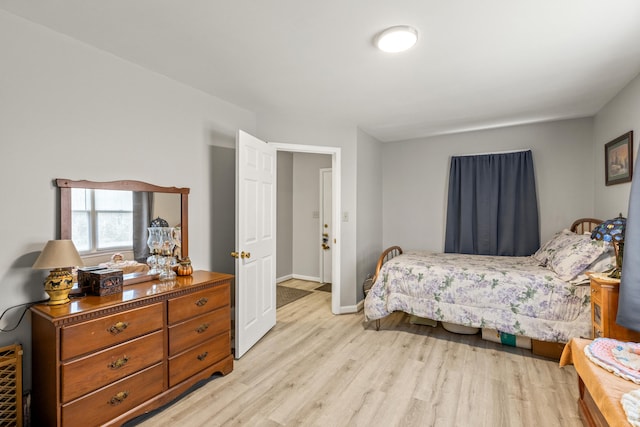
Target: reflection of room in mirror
{"x":167,"y":207}
{"x":114,"y":225}
{"x":103,"y":236}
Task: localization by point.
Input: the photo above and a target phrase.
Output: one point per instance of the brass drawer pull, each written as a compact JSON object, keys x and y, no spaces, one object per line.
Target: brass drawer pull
{"x":202,"y":328}
{"x":117,"y":364}
{"x":118,"y":398}
{"x":203,"y":356}
{"x":202,"y":301}
{"x":118,"y":327}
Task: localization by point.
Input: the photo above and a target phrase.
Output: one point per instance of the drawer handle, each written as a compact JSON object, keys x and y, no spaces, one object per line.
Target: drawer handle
{"x":117,"y":364}
{"x":202,"y":328}
{"x":118,"y":327}
{"x":203,"y":356}
{"x":118,"y":398}
{"x":202,"y":301}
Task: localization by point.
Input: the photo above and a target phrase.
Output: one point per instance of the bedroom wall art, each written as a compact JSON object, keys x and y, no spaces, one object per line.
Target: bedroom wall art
{"x":618,"y":159}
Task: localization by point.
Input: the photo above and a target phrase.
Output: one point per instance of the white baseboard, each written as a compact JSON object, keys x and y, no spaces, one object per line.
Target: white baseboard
{"x":284,"y":278}
{"x":297,"y":276}
{"x":308,"y":278}
{"x":349,"y":309}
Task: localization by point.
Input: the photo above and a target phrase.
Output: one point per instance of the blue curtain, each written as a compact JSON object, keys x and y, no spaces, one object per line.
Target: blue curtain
{"x":629,"y":297}
{"x":142,"y":202}
{"x":492,"y":207}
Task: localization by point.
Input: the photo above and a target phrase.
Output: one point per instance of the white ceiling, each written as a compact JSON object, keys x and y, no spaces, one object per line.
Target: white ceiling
{"x":477,"y":64}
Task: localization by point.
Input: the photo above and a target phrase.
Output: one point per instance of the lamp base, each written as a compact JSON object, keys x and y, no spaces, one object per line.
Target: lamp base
{"x":615,"y":273}
{"x":58,"y":285}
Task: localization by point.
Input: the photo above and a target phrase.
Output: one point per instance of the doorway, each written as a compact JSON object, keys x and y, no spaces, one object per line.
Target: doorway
{"x":223,"y":196}
{"x":334,"y":152}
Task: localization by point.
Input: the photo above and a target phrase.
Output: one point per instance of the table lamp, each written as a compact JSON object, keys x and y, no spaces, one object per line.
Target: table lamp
{"x":612,"y":231}
{"x":59,"y":256}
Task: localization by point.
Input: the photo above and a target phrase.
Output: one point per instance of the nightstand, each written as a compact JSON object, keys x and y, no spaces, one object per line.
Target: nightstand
{"x":604,"y":309}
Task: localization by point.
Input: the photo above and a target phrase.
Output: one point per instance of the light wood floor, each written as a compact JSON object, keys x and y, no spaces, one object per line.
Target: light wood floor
{"x":318,"y":369}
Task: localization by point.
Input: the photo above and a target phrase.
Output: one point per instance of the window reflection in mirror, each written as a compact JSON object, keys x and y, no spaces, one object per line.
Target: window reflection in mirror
{"x":102,"y":219}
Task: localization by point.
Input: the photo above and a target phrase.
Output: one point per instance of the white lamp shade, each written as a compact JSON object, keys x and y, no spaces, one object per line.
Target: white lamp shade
{"x":58,"y":254}
{"x":397,"y":39}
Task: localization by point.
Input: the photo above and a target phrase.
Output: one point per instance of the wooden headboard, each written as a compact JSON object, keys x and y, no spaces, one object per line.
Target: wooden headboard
{"x":585,"y":225}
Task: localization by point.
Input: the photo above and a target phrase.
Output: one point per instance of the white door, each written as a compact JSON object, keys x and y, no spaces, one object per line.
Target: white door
{"x":255,"y":298}
{"x":326,"y":224}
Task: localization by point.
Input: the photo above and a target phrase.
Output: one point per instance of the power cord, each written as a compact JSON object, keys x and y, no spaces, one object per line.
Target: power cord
{"x":26,"y":305}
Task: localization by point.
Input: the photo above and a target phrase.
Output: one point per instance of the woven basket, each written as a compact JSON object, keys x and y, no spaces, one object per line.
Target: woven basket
{"x":11,"y":385}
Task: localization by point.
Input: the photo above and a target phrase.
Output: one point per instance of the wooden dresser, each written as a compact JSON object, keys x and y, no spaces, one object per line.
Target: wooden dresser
{"x":105,"y":360}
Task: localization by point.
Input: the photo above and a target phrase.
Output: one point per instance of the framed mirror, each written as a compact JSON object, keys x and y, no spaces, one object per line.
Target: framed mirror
{"x":138,"y":200}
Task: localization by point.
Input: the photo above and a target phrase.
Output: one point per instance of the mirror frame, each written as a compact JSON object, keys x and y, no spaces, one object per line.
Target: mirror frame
{"x":65,"y":186}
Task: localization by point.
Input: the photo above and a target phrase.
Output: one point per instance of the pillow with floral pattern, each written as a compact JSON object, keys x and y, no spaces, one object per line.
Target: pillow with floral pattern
{"x":576,"y":256}
{"x":549,"y":248}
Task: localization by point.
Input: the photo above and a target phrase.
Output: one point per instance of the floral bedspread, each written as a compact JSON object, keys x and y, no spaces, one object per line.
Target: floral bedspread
{"x":511,"y":294}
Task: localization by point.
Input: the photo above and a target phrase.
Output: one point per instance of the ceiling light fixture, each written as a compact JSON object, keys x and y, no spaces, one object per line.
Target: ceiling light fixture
{"x":397,"y":39}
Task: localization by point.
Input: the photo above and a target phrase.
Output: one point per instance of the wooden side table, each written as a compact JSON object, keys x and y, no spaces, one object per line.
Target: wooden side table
{"x":604,"y":309}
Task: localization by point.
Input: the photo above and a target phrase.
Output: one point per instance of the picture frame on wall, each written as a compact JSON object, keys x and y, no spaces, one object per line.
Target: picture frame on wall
{"x":618,"y":159}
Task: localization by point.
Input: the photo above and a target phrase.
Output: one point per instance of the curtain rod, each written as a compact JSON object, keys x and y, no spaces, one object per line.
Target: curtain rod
{"x":494,"y":152}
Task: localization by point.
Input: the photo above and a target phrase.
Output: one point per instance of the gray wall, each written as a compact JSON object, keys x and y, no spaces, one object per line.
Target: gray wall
{"x":369,"y":237}
{"x":222,"y":216}
{"x":284,"y":240}
{"x":71,"y":111}
{"x":619,"y":116}
{"x":416,"y":178}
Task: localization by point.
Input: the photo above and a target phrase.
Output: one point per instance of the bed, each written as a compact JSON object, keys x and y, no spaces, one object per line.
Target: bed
{"x":544,"y":296}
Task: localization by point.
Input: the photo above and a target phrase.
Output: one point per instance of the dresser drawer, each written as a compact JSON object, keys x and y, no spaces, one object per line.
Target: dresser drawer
{"x":97,"y":370}
{"x":198,"y":358}
{"x":596,"y":293}
{"x":188,"y":306}
{"x":199,"y":329}
{"x":107,"y":403}
{"x":106,"y":331}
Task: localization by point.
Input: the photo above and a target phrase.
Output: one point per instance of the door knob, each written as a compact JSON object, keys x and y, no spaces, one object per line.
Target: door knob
{"x":242,"y":254}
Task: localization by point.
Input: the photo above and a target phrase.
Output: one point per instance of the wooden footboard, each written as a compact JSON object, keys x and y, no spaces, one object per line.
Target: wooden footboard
{"x":388,"y":254}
